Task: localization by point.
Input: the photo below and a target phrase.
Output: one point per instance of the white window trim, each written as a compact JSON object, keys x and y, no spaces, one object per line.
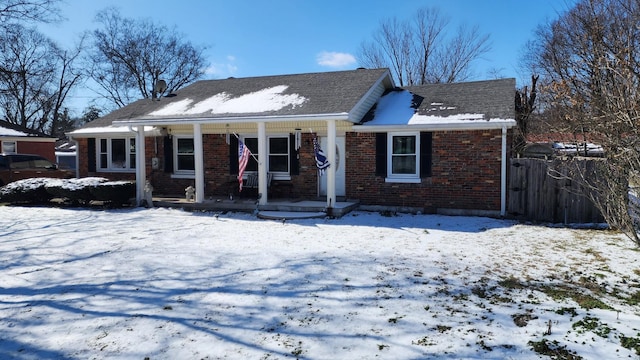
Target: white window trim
{"x":110,"y":168}
{"x":402,"y":178}
{"x":276,"y":175}
{"x":181,"y":174}
{"x":15,"y":146}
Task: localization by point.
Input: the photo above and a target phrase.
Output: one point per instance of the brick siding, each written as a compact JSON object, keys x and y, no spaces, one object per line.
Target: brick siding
{"x":465,"y":173}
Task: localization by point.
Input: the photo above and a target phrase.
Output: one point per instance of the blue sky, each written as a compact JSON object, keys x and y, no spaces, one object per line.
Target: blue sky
{"x":254,"y":38}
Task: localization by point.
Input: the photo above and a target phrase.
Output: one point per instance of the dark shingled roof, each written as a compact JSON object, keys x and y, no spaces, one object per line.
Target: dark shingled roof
{"x":326,"y":93}
{"x":493,"y":98}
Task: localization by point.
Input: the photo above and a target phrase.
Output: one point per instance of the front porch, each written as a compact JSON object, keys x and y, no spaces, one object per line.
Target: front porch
{"x":274,"y":209}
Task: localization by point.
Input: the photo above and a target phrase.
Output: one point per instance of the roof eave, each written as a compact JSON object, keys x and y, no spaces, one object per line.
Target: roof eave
{"x":471,"y":125}
{"x":114,"y":130}
{"x":386,"y":76}
{"x":231,"y":119}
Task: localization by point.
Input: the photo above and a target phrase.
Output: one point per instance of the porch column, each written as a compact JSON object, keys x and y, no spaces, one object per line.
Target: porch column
{"x":262,"y":164}
{"x":331,"y":170}
{"x":141,"y":171}
{"x":503,"y":174}
{"x":198,"y":157}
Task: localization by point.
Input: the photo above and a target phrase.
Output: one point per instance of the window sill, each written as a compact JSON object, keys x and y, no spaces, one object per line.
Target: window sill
{"x":183,"y":176}
{"x":403,"y":180}
{"x":118,"y":170}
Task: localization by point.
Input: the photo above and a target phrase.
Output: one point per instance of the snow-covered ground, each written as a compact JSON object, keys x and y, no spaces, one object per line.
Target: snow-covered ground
{"x":168,"y":284}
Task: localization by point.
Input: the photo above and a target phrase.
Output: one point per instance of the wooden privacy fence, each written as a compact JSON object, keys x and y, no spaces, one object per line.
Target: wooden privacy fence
{"x":542,"y":190}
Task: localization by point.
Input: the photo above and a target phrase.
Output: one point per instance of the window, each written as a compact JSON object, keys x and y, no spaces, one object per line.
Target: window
{"x":9,"y":147}
{"x":116,"y":154}
{"x":252,"y":144}
{"x":278,"y":155}
{"x":403,"y":157}
{"x":184,"y":161}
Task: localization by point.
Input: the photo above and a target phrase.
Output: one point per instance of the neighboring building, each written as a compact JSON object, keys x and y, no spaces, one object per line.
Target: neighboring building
{"x":15,"y":139}
{"x":434,"y":148}
{"x":66,"y":156}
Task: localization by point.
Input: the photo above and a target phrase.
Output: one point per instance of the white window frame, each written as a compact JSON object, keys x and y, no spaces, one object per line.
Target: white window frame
{"x":181,"y":173}
{"x":402,"y":178}
{"x":4,"y":146}
{"x":130,"y":166}
{"x":279,"y":175}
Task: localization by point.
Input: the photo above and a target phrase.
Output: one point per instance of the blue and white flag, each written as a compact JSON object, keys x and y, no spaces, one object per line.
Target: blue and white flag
{"x":321,"y":159}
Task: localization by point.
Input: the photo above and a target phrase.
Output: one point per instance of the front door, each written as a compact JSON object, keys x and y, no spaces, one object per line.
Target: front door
{"x":339,"y":166}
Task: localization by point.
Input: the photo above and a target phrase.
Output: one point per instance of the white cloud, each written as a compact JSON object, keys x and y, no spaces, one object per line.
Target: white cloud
{"x":222,"y":69}
{"x":335,"y":59}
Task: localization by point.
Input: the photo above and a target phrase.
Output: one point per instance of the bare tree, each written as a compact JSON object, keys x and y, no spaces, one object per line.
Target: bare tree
{"x":590,"y":63}
{"x":69,"y":75}
{"x":36,"y":79}
{"x":129,"y":56}
{"x":28,"y":60}
{"x":525,"y":102}
{"x":420,"y":51}
{"x":453,"y":62}
{"x":29,"y":11}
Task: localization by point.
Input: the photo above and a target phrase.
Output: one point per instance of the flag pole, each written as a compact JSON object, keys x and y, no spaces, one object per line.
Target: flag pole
{"x":250,"y":153}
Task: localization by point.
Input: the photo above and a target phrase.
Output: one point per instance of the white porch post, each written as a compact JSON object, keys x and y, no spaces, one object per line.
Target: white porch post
{"x":262,"y":164}
{"x":331,"y":170}
{"x":198,"y":158}
{"x":503,"y":174}
{"x":141,"y":171}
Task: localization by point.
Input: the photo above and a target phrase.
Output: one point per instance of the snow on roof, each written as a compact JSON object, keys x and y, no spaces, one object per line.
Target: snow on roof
{"x":396,"y":108}
{"x":268,"y":99}
{"x":10,"y":132}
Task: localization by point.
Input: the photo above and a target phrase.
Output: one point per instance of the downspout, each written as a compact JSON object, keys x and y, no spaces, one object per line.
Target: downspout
{"x":503,"y":174}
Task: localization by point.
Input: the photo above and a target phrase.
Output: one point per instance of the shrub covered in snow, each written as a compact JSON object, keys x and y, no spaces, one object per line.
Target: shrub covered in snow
{"x":75,"y":191}
{"x":29,"y":191}
{"x":116,"y":192}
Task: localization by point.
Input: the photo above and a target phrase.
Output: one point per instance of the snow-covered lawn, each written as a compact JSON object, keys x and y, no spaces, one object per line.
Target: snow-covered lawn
{"x":168,"y":284}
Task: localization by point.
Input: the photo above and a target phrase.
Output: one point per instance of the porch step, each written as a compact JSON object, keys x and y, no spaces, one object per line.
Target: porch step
{"x":290,"y":215}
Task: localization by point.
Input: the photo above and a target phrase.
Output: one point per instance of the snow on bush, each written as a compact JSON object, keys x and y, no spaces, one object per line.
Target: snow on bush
{"x":77,"y":191}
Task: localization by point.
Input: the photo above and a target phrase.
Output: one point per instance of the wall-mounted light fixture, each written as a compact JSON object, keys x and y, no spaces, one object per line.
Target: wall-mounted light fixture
{"x":298,"y":137}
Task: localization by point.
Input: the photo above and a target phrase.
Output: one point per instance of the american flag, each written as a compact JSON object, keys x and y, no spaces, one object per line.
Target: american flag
{"x":321,"y":159}
{"x":243,"y":159}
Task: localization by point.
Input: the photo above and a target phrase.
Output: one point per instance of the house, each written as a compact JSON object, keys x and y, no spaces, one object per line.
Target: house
{"x":16,"y":139}
{"x":434,"y":148}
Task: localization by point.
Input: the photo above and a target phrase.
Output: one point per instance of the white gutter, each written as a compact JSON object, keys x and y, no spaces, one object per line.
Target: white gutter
{"x":232,"y":119}
{"x":467,"y":125}
{"x":114,"y":131}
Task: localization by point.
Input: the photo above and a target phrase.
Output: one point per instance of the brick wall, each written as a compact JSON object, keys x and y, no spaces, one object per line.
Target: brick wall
{"x":218,"y":180}
{"x":45,"y":149}
{"x":465,"y":173}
